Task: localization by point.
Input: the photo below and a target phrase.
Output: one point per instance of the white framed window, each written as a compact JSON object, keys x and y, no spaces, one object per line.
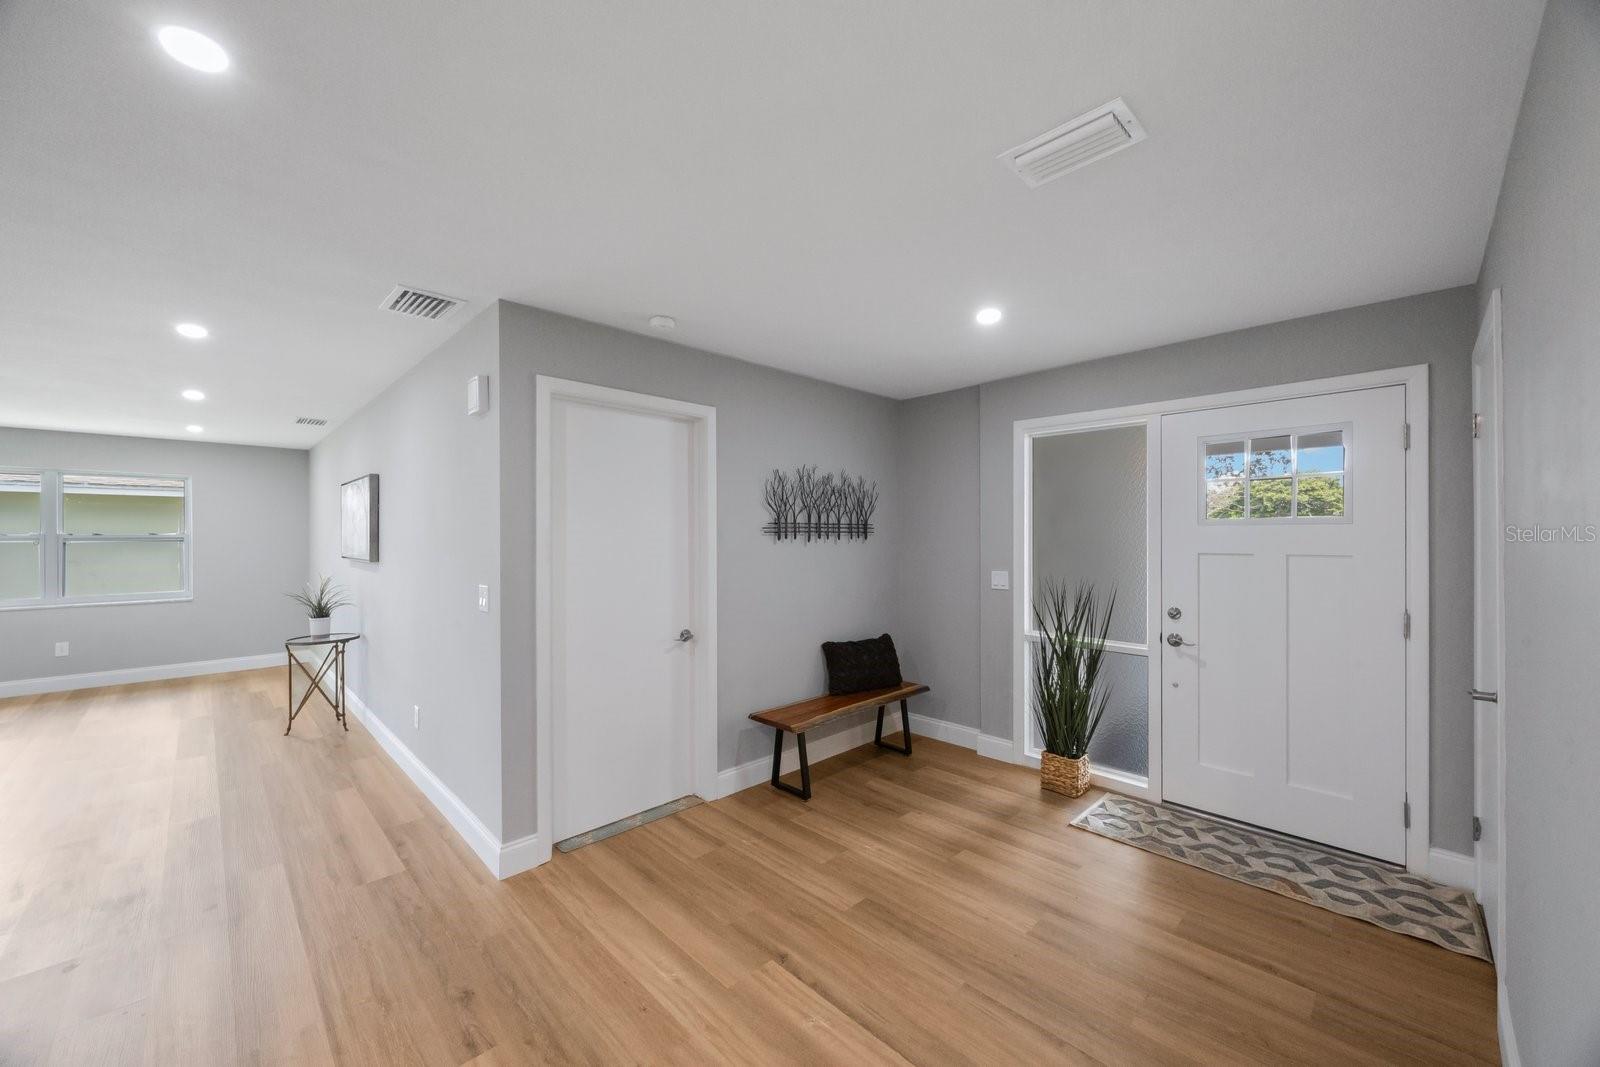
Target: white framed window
{"x":79,"y":537}
{"x":1300,"y":476}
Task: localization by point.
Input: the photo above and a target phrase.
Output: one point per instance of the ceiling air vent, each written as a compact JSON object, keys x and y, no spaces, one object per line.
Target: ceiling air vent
{"x":307,"y":420}
{"x":1077,"y":143}
{"x":419,"y":303}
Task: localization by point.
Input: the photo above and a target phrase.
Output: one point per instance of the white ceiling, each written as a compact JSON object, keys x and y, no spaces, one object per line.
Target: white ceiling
{"x":811,"y":186}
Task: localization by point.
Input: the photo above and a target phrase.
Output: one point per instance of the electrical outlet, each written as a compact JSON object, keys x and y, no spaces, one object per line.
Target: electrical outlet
{"x":483,"y":598}
{"x":61,"y":648}
{"x":416,"y":716}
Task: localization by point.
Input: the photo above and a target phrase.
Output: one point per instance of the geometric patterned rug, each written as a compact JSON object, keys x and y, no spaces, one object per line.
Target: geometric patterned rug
{"x":1350,"y":885}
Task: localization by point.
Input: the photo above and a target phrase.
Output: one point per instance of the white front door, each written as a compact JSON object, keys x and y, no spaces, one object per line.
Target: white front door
{"x":1283,"y":575}
{"x":1487,"y":641}
{"x":622,"y":591}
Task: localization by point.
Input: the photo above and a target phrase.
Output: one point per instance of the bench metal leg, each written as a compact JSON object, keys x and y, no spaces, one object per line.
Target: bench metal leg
{"x":804,"y":792}
{"x":904,"y":748}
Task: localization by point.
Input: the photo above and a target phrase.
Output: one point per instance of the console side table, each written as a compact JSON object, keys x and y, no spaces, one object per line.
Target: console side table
{"x":332,"y":660}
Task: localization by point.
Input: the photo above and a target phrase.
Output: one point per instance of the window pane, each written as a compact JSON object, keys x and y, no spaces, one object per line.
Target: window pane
{"x":1269,"y":457}
{"x":19,"y":503}
{"x":93,"y":504}
{"x":1225,"y":499}
{"x":110,"y":568}
{"x":1122,"y":742}
{"x":1321,"y":494}
{"x":1089,"y":521}
{"x":1269,"y":498}
{"x":1225,"y":459}
{"x":1321,"y":452}
{"x":19,"y":570}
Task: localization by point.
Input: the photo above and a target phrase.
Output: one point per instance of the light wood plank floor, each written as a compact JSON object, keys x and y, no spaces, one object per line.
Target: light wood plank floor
{"x":184,"y":885}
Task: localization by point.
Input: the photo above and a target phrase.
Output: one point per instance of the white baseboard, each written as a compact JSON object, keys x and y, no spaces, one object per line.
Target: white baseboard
{"x":61,"y":683}
{"x":503,"y":860}
{"x":940,"y":730}
{"x":1509,"y":1056}
{"x":993,"y":747}
{"x":1453,"y":868}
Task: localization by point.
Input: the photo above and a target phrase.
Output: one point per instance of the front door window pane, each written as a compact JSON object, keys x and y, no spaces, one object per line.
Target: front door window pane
{"x":1271,"y":498}
{"x":1280,"y":476}
{"x":1320,"y":495}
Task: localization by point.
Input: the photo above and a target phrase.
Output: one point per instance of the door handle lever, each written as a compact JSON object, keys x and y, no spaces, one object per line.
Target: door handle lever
{"x":1176,"y":641}
{"x":685,"y":635}
{"x":1487,"y":698}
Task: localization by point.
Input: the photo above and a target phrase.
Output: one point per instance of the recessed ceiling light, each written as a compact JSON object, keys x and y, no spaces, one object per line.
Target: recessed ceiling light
{"x":192,"y":330}
{"x":987,"y":316}
{"x":193,"y":394}
{"x":663,"y":322}
{"x":193,"y":49}
{"x":195,"y":429}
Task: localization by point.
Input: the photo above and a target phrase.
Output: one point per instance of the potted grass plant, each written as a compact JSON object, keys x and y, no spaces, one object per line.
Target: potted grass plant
{"x":1069,"y":695}
{"x":320,"y":602}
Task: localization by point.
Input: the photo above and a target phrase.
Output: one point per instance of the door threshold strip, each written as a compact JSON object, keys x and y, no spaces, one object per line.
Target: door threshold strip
{"x":612,"y":829}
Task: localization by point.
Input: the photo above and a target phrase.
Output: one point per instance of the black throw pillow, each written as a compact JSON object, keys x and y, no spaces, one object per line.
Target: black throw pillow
{"x":856,"y":666}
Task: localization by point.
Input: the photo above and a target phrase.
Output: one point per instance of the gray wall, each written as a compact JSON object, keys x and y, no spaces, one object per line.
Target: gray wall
{"x":425,"y":641}
{"x":937,"y":576}
{"x":1436,"y":329}
{"x":1544,"y":256}
{"x":249,"y":549}
{"x":776,"y":603}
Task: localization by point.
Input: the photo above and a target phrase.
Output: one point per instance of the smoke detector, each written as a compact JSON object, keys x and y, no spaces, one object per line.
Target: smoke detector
{"x":419,"y":303}
{"x":1090,"y":137}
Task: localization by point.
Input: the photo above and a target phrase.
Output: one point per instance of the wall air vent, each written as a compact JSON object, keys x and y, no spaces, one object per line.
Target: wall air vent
{"x":1076,"y":143}
{"x":419,"y":303}
{"x":307,"y":420}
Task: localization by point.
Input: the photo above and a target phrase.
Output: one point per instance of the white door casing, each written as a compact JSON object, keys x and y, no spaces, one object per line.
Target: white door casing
{"x":1488,"y":633}
{"x":625,"y":710}
{"x":1289,"y":709}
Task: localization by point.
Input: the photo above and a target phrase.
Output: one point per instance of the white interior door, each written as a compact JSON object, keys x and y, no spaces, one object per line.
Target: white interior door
{"x":622,"y":591}
{"x":1283,"y":574}
{"x":1488,"y":611}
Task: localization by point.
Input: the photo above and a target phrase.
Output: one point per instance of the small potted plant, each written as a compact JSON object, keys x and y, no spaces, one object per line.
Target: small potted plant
{"x":1069,"y":696}
{"x":320,"y":603}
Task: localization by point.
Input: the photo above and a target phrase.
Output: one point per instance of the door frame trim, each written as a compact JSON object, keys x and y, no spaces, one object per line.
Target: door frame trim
{"x":1418,"y":583}
{"x":703,"y":422}
{"x":1490,"y":331}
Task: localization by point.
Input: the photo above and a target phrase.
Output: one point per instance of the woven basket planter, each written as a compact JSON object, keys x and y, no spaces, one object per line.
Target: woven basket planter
{"x":1059,"y":774}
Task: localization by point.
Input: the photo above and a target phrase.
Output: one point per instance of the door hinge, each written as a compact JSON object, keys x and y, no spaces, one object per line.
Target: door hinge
{"x":1477,"y":828}
{"x":1407,"y":811}
{"x":1405,"y":436}
{"x":1477,"y":425}
{"x":1405,"y":624}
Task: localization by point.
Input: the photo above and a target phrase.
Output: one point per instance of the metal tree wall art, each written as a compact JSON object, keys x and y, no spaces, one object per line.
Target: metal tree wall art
{"x":806,"y":505}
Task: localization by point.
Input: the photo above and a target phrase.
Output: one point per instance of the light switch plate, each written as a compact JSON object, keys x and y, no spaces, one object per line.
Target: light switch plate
{"x":483,"y":598}
{"x":61,"y":648}
{"x":999,"y":579}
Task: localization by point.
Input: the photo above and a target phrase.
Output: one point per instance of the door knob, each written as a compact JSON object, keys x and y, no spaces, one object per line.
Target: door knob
{"x":685,"y":635}
{"x":1176,"y":641}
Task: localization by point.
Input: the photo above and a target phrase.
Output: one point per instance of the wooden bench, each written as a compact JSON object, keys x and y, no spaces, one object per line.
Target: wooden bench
{"x":799,"y":717}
